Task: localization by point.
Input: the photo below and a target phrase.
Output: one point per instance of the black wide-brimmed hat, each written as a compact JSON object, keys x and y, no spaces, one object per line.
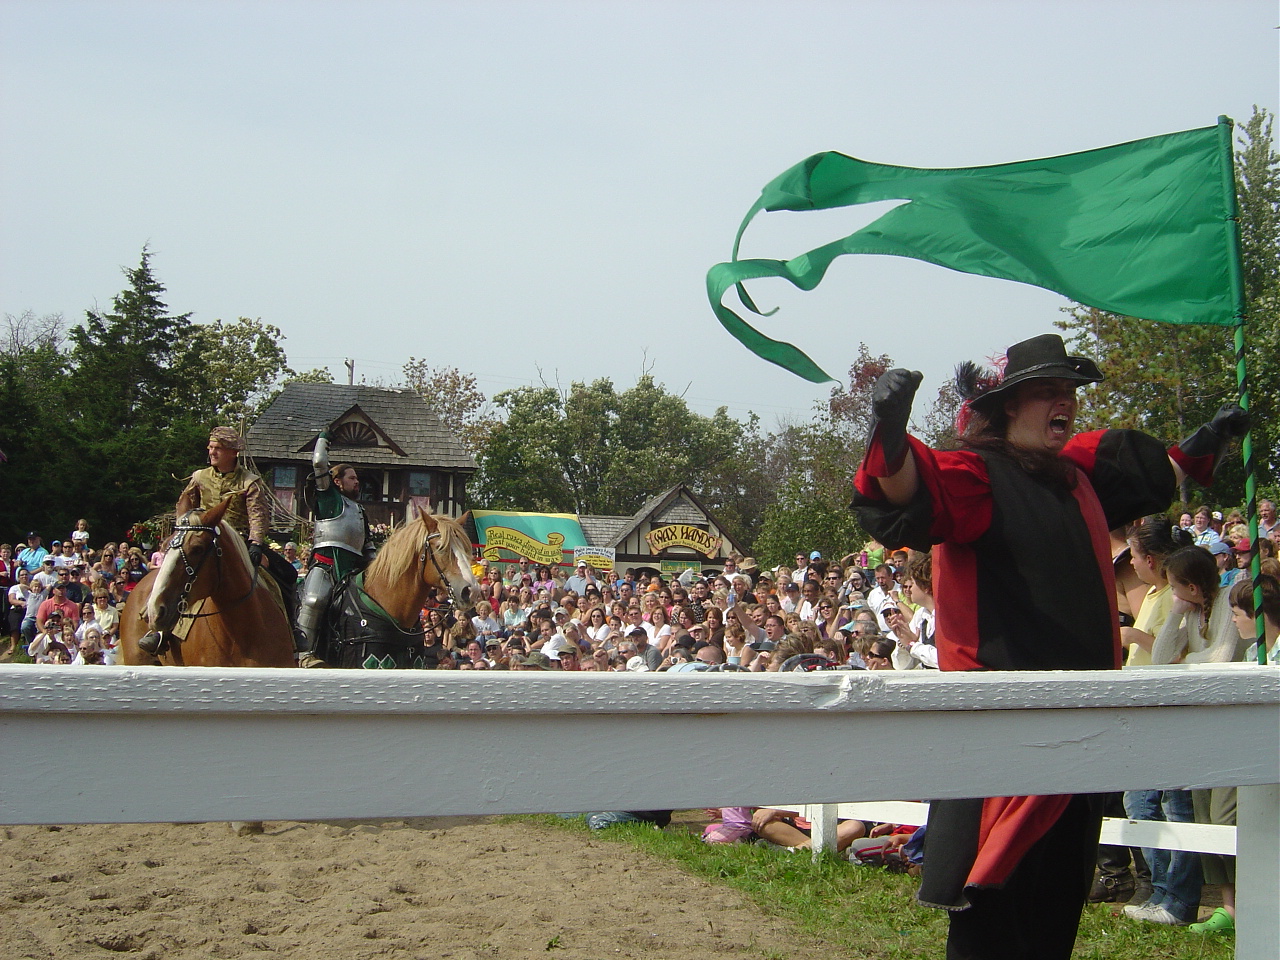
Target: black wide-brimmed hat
{"x":1042,"y":357}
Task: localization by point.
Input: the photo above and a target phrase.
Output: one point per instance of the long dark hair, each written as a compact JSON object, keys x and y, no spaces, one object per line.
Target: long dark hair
{"x":1195,"y":566}
{"x":1157,"y":537}
{"x":986,"y":431}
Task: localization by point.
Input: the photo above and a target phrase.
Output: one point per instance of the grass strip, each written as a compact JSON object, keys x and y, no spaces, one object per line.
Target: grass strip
{"x":867,"y":913}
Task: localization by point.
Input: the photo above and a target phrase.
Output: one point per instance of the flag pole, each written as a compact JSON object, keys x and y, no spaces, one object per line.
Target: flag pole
{"x":1236,"y":276}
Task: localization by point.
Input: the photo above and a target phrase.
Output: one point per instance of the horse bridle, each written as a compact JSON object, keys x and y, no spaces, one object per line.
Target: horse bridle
{"x":428,"y":551}
{"x":180,"y":531}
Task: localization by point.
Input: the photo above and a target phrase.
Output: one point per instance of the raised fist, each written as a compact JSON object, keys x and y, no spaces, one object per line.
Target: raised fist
{"x":1231,"y":420}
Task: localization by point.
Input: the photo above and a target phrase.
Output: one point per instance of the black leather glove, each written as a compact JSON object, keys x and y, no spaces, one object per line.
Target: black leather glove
{"x":1211,"y":440}
{"x":255,"y":553}
{"x":891,"y":399}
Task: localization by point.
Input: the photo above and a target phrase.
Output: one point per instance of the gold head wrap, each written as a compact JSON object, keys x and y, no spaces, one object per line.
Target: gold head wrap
{"x":226,"y":437}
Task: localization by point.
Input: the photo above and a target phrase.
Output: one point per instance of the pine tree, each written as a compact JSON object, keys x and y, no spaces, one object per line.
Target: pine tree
{"x":131,"y":363}
{"x":130,"y":430}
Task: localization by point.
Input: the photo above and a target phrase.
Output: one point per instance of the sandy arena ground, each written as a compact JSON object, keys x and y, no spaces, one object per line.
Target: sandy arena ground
{"x":459,"y":888}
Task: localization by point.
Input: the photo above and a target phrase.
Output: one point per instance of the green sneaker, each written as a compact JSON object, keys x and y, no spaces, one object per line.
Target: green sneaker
{"x":1219,"y":922}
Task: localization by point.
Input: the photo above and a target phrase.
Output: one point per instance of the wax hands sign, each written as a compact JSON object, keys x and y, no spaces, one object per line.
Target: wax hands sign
{"x":683,"y":535}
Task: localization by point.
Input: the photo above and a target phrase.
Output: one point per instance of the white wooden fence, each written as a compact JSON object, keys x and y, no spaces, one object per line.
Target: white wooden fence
{"x":1195,"y":837}
{"x":122,"y":744}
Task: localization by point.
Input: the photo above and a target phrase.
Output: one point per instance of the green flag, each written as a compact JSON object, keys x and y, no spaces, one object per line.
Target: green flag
{"x":1142,"y":229}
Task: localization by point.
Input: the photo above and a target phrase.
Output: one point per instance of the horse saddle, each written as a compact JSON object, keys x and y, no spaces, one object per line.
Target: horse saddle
{"x":362,"y":635}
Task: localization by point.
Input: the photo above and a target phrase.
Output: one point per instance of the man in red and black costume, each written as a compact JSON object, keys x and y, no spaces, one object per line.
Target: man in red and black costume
{"x":1019,"y":514}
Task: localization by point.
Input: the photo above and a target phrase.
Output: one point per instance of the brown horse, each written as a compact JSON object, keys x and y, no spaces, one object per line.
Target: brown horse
{"x":429,"y":552}
{"x":240,"y":623}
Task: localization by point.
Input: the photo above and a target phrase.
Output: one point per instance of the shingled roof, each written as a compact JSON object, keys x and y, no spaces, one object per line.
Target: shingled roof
{"x":409,"y":432}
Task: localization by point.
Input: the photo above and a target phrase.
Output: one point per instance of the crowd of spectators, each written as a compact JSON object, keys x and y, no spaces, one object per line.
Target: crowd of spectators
{"x":817,"y":614}
{"x":62,"y":603}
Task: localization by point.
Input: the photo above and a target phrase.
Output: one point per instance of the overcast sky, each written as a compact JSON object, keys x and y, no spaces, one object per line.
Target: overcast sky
{"x":535,"y":190}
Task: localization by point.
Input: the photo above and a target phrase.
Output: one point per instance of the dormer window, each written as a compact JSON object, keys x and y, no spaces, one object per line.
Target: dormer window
{"x":355,"y":433}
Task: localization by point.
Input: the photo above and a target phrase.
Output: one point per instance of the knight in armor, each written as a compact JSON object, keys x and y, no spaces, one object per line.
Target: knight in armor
{"x":340,"y":546}
{"x":248,"y":513}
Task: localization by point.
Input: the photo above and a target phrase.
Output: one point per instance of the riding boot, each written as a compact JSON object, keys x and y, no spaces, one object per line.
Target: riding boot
{"x":150,"y":642}
{"x":302,"y":650}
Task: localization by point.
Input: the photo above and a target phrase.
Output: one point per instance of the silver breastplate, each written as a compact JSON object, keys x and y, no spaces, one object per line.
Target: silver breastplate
{"x":345,"y":530}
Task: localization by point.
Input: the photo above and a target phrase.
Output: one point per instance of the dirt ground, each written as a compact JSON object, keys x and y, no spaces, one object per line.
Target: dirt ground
{"x":459,"y":888}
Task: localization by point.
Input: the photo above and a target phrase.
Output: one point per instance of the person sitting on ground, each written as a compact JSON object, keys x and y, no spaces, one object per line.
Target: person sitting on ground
{"x":830,"y":617}
{"x":771,"y":661}
{"x":792,"y":832}
{"x":58,"y":601}
{"x":885,"y":595}
{"x":485,"y":623}
{"x":89,"y":649}
{"x":880,"y":654}
{"x":1224,"y":556}
{"x":833,"y":649}
{"x":49,"y":636}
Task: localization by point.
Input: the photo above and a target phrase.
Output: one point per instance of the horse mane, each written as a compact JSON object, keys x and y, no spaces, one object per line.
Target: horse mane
{"x":232,"y":536}
{"x":403,"y":547}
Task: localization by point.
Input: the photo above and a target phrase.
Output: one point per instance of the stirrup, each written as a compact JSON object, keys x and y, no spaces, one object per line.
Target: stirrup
{"x":150,"y":642}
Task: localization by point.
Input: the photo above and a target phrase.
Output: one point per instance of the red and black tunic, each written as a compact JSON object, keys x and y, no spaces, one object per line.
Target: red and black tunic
{"x":1023,"y":581}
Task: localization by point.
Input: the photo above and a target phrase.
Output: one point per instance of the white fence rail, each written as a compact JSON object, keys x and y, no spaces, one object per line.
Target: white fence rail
{"x":1194,"y":837}
{"x":120,"y":744}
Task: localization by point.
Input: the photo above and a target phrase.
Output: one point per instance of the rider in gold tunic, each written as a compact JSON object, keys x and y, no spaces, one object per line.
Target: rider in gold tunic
{"x":248,"y":512}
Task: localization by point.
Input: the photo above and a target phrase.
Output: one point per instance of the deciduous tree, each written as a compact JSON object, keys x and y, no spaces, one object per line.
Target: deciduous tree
{"x":456,"y":399}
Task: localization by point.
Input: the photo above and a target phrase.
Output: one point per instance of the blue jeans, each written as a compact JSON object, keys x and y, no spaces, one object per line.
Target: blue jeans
{"x":1175,"y":874}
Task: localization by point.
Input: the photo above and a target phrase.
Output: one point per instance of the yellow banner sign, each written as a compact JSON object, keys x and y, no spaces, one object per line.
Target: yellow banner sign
{"x":497,"y":538}
{"x":601,"y":558}
{"x":683,"y":535}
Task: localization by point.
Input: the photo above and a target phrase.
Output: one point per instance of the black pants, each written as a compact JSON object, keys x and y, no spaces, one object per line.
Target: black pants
{"x":1115,"y":861}
{"x":286,"y":578}
{"x":1034,"y":916}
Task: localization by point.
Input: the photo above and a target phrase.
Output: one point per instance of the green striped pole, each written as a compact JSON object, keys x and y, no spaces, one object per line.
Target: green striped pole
{"x":1242,"y":380}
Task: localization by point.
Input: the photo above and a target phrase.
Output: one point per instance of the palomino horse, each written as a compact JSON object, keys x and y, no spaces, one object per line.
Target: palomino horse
{"x":238,"y":624}
{"x":429,"y":552}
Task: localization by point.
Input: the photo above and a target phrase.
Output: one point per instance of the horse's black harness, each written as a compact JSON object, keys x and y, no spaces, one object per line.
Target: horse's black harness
{"x":361,"y":635}
{"x":180,"y":530}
